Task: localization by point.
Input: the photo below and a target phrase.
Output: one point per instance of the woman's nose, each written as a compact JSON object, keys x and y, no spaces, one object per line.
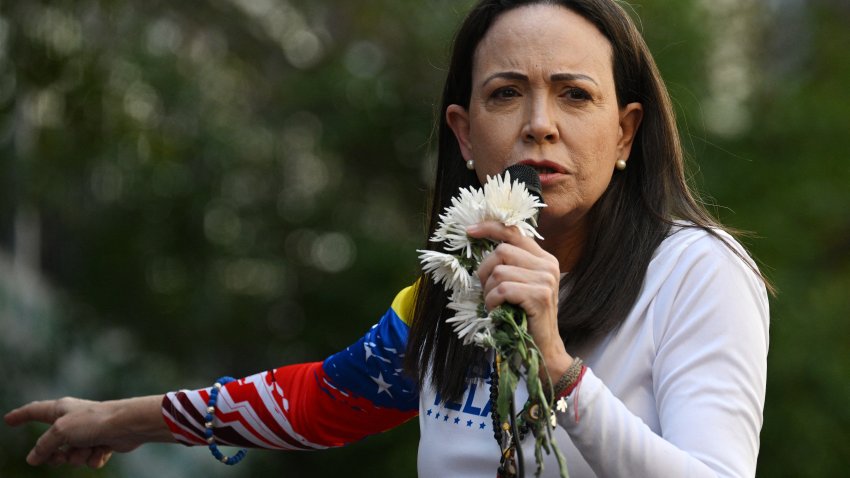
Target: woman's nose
{"x":540,"y":126}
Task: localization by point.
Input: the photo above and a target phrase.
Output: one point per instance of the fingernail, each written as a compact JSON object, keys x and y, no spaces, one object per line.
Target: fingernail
{"x":473,"y":229}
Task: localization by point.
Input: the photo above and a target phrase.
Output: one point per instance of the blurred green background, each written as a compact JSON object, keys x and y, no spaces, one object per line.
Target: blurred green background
{"x":191,"y":189}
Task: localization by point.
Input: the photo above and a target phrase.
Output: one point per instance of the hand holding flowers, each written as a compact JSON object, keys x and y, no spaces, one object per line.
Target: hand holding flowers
{"x":489,"y":234}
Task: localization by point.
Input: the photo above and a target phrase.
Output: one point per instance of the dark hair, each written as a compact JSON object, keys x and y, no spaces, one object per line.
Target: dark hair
{"x":637,"y":209}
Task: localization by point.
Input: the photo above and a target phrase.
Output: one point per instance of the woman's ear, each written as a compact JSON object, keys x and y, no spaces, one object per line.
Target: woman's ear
{"x":458,"y":120}
{"x":630,"y":118}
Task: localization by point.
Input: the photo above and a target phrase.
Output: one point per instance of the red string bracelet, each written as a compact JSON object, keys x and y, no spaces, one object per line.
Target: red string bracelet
{"x":573,"y":385}
{"x":569,"y":389}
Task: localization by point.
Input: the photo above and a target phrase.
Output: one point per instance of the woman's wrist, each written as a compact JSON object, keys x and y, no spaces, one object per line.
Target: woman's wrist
{"x":570,"y":380}
{"x":557,"y":363}
{"x":137,"y":421}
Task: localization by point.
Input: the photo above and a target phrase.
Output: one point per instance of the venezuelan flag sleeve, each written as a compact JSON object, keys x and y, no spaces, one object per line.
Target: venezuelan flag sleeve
{"x":355,"y":393}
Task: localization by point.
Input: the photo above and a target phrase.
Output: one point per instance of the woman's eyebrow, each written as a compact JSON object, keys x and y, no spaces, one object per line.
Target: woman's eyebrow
{"x":506,"y":75}
{"x":513,"y":75}
{"x":571,"y":77}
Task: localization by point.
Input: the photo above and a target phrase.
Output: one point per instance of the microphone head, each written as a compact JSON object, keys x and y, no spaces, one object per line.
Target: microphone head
{"x":527,"y":176}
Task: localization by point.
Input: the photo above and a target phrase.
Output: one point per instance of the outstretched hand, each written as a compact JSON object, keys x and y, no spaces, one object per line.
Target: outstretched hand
{"x":84,"y":432}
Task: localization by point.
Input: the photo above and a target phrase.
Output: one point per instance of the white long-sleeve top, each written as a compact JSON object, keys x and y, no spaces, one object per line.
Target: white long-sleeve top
{"x":677,"y":391}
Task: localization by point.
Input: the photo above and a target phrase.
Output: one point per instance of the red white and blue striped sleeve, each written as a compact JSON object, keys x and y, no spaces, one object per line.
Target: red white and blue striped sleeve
{"x":355,"y":393}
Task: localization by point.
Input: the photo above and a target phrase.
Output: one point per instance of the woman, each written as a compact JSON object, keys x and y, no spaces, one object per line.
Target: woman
{"x":633,"y":276}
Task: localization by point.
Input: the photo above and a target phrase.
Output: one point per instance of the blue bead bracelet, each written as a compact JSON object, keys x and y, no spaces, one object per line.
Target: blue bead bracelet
{"x":208,"y":433}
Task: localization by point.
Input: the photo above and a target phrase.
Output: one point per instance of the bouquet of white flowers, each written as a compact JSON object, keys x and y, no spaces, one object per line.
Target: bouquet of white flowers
{"x":504,"y":329}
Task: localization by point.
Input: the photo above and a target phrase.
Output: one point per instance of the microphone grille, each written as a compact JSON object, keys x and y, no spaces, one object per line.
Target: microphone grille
{"x":529,"y":177}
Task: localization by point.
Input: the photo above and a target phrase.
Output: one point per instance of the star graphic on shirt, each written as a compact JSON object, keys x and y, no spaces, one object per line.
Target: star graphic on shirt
{"x":429,"y":412}
{"x":469,"y":423}
{"x":446,"y":418}
{"x":437,"y":417}
{"x":382,"y":385}
{"x":367,"y":346}
{"x":457,"y":420}
{"x":481,"y":426}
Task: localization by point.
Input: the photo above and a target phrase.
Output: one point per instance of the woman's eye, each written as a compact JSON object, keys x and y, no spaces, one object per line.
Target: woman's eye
{"x":505,"y":93}
{"x":577,"y":94}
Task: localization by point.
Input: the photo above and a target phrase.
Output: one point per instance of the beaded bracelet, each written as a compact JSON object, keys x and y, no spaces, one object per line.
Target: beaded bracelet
{"x":568,"y":380}
{"x":208,"y":433}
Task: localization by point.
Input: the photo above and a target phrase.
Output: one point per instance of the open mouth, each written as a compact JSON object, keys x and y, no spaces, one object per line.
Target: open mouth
{"x":544,"y":167}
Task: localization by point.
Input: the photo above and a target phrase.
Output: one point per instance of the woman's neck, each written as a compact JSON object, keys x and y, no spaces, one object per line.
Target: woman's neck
{"x":565,"y":243}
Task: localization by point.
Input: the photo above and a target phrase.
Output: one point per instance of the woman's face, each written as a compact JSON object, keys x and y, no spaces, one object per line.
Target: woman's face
{"x":543,"y":94}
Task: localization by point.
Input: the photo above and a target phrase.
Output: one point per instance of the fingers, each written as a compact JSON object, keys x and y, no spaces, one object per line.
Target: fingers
{"x":52,"y":449}
{"x":72,"y":435}
{"x":58,"y":458}
{"x":533,"y":288}
{"x":525,"y":251}
{"x":512,"y":275}
{"x":79,"y":456}
{"x":532,"y":298}
{"x":100,"y":455}
{"x":520,"y":272}
{"x":65,"y":433}
{"x":499,"y":232}
{"x":542,"y":266}
{"x":95,"y":457}
{"x":44,"y":411}
{"x":48,"y":448}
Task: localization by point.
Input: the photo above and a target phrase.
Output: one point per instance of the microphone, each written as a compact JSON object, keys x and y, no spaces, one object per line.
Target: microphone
{"x":528,"y":176}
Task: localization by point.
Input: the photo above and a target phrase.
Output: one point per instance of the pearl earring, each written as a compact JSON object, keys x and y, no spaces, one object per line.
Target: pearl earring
{"x":620,"y":164}
{"x":470,"y":165}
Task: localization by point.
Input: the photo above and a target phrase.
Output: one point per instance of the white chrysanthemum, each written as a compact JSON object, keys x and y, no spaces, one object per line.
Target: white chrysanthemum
{"x":471,"y":322}
{"x":500,"y":200}
{"x":445,"y":269}
{"x":511,"y":204}
{"x":468,"y":323}
{"x":467,"y":208}
{"x":484,"y":338}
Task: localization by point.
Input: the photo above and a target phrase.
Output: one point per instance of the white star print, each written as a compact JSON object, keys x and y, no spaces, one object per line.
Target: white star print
{"x":382,"y":385}
{"x":369,"y":353}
